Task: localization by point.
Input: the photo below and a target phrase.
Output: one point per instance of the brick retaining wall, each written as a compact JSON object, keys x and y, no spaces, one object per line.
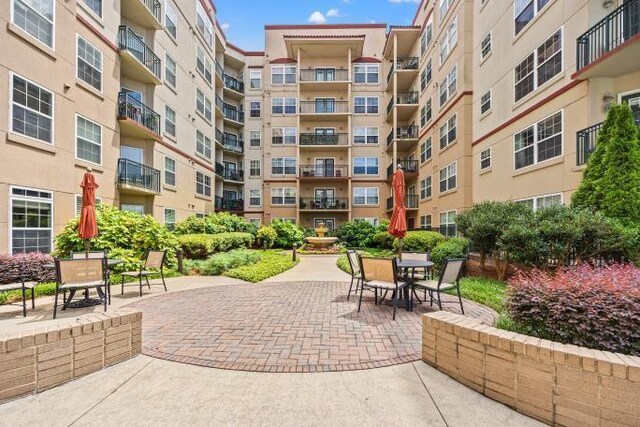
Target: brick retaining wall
{"x":555,"y":383}
{"x":33,"y":361}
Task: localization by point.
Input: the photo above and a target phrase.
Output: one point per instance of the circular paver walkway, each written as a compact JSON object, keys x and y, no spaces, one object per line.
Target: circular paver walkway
{"x":284,"y":327}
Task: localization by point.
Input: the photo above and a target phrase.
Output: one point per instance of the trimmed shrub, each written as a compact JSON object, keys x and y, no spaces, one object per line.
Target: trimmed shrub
{"x":382,"y":240}
{"x":217,"y":264}
{"x":266,"y":235}
{"x":215,"y":223}
{"x":585,"y":305}
{"x":28,"y":266}
{"x":420,"y":241}
{"x":356,"y":234}
{"x":287,"y":234}
{"x":270,"y":264}
{"x":451,"y":248}
{"x":199,"y":246}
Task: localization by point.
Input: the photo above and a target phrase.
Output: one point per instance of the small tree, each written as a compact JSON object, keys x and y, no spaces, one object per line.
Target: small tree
{"x":611,"y":181}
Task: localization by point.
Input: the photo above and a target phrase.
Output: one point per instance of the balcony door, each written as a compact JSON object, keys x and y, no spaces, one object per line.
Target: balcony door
{"x":229,"y":195}
{"x":130,"y":168}
{"x":633,"y":101}
{"x":325,"y":167}
{"x":324,"y":194}
{"x":325,"y":74}
{"x":325,"y":136}
{"x":325,"y":105}
{"x":133,"y":154}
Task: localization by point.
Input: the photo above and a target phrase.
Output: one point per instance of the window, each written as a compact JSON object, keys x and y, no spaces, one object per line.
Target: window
{"x":485,"y":102}
{"x":426,"y":113}
{"x":204,"y":65}
{"x":203,"y":104}
{"x":449,"y":41}
{"x":427,"y":36}
{"x":283,"y":196}
{"x":170,"y":218}
{"x":448,"y":132}
{"x":425,"y":77}
{"x":448,"y":223}
{"x":366,"y":196}
{"x":31,"y":110}
{"x":36,"y":18}
{"x":287,"y":136}
{"x":540,"y":142}
{"x":444,"y":6}
{"x":170,"y":70}
{"x":89,"y":63}
{"x":31,"y":220}
{"x":255,"y":138}
{"x":283,"y":105}
{"x":169,"y":171}
{"x":256,"y":221}
{"x":203,"y":145}
{"x":255,"y":109}
{"x":365,"y":135}
{"x":203,"y":184}
{"x":373,"y":221}
{"x":169,"y":120}
{"x":485,"y":159}
{"x":255,"y":197}
{"x":79,"y":203}
{"x":448,"y":85}
{"x":95,"y":6}
{"x":539,"y":66}
{"x":88,"y":140}
{"x":485,"y":47}
{"x":366,"y":73}
{"x":525,"y":11}
{"x":255,"y":79}
{"x":283,"y":166}
{"x":365,"y":105}
{"x":171,"y":20}
{"x":139,"y":209}
{"x":448,"y":177}
{"x":204,"y":24}
{"x":254,"y":168}
{"x":426,"y":150}
{"x":365,"y":165}
{"x":425,"y":222}
{"x":425,"y":188}
{"x":281,"y":75}
{"x":541,"y":202}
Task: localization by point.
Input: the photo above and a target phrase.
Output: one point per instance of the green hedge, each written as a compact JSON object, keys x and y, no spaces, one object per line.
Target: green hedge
{"x":217,"y":264}
{"x":451,"y":248}
{"x":199,"y":246}
{"x":420,"y":241}
{"x":215,"y":223}
{"x":270,"y":264}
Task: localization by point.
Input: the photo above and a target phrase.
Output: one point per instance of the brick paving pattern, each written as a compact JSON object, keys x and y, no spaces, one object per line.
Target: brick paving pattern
{"x":284,"y":327}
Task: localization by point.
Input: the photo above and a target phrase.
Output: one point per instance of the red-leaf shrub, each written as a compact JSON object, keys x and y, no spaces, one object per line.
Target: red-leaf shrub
{"x":596,"y":307}
{"x":28,"y":266}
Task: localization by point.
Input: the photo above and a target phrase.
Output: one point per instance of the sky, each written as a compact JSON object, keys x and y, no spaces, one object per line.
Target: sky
{"x":243,"y":20}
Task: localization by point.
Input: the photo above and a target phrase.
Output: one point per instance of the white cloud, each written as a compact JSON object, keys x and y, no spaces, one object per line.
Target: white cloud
{"x":225,"y":26}
{"x":333,"y":13}
{"x":317,"y":18}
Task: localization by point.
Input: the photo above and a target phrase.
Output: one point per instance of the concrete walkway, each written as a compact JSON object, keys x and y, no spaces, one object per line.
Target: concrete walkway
{"x":313,"y":268}
{"x":149,"y":392}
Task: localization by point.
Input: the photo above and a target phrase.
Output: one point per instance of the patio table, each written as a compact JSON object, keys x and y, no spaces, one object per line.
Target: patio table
{"x":405,"y":266}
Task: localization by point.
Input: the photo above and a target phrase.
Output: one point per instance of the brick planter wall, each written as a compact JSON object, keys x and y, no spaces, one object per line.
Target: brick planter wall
{"x":555,"y":383}
{"x":33,"y":361}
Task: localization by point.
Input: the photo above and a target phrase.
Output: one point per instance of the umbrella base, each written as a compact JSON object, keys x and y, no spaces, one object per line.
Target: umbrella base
{"x":85,"y":302}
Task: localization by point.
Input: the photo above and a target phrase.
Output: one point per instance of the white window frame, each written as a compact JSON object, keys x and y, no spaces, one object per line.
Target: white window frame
{"x":485,"y":99}
{"x":13,"y":198}
{"x":251,"y":133}
{"x":79,"y":116}
{"x":259,"y":197}
{"x":173,"y":172}
{"x":367,"y":70}
{"x":206,"y":112}
{"x":204,"y":65}
{"x":252,"y":73}
{"x":251,"y":169}
{"x":426,"y":154}
{"x":424,"y":222}
{"x":375,"y":163}
{"x":284,"y":103}
{"x":92,"y":66}
{"x":167,"y":107}
{"x":487,"y":42}
{"x":78,"y":203}
{"x":366,"y":132}
{"x":517,"y":13}
{"x":366,"y":196}
{"x":285,"y":193}
{"x":170,"y":10}
{"x":285,"y":130}
{"x":203,"y":182}
{"x":450,"y":171}
{"x":448,"y":128}
{"x":170,"y":71}
{"x":204,"y":144}
{"x":368,"y":104}
{"x":52,"y":21}
{"x":13,"y":104}
{"x":371,"y":220}
{"x":536,"y":142}
{"x":537,"y":200}
{"x":426,"y":188}
{"x":448,"y":221}
{"x":449,"y":40}
{"x":251,"y":109}
{"x":286,"y":70}
{"x":206,"y":29}
{"x":485,"y":159}
{"x":169,"y":225}
{"x":283,"y":167}
{"x":451,"y":79}
{"x":92,"y":10}
{"x":536,"y":66}
{"x":444,"y":7}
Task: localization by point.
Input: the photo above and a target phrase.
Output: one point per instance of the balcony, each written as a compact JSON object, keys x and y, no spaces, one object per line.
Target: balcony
{"x":136,"y":119}
{"x":146,"y":13}
{"x":219,"y":74}
{"x":611,"y":47}
{"x":232,"y":143}
{"x":407,"y":70}
{"x":406,"y":137}
{"x":324,"y":79}
{"x":220,"y":169}
{"x":236,"y":175}
{"x":322,"y":141}
{"x":228,"y":205}
{"x":325,"y":109}
{"x":138,"y":179}
{"x":219,"y":137}
{"x":138,"y":60}
{"x":324,"y":172}
{"x":410,"y":168}
{"x":410,"y":202}
{"x":233,"y":87}
{"x":232,"y":115}
{"x":406,"y":104}
{"x":586,"y":140}
{"x":324,"y":204}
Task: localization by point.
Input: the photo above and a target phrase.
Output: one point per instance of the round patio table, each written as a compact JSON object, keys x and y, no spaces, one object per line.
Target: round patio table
{"x":406,"y":265}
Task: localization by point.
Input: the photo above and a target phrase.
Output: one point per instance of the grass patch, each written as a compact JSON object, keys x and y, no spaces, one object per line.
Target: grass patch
{"x":217,"y":264}
{"x":485,"y":291}
{"x":271,"y":262}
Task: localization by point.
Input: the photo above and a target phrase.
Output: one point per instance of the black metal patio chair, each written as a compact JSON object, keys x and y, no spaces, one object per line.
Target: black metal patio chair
{"x":449,"y":279}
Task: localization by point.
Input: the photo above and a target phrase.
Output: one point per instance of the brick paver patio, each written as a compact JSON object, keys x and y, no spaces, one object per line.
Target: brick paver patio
{"x":284,"y":327}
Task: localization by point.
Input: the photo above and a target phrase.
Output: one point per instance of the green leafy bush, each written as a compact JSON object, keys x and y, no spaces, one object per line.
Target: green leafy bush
{"x":266,"y":236}
{"x":420,"y":241}
{"x":214,"y":223}
{"x":270,"y":264}
{"x":343,"y":264}
{"x":287,"y":233}
{"x":199,"y":246}
{"x":125,"y":235}
{"x":382,"y":240}
{"x":356,"y":234}
{"x":217,"y":264}
{"x":451,"y":248}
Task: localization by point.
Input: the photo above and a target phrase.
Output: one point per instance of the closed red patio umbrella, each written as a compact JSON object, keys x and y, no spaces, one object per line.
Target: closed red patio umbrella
{"x":88,"y":227}
{"x":398,"y":223}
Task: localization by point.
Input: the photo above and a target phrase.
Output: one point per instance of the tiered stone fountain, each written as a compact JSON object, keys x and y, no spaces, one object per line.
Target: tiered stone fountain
{"x":320,"y":241}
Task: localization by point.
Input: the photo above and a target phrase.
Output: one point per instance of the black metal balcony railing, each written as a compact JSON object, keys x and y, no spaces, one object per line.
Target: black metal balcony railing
{"x":324,"y":75}
{"x":612,"y":31}
{"x":219,"y":70}
{"x":323,"y":203}
{"x":129,"y":107}
{"x":219,"y":136}
{"x":233,"y":83}
{"x":230,"y":205}
{"x":408,"y":166}
{"x":405,"y":98}
{"x":586,"y":143}
{"x":406,"y":63}
{"x":131,"y":42}
{"x":324,"y":107}
{"x":323,"y":139}
{"x":232,"y":113}
{"x":220,"y":169}
{"x":314,"y":171}
{"x":234,"y":175}
{"x":410,"y":202}
{"x":138,"y":175}
{"x":154,"y":7}
{"x":404,"y":132}
{"x":233,"y":143}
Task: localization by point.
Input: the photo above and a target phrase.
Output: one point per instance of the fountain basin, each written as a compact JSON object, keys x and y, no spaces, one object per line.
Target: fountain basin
{"x":321,"y":242}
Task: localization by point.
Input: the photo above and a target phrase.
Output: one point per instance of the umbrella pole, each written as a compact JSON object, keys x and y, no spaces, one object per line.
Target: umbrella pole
{"x":87,"y":246}
{"x":400,"y":249}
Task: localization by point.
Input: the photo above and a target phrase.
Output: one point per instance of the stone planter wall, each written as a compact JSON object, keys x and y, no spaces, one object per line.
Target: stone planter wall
{"x":555,"y":383}
{"x":34,"y":361}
